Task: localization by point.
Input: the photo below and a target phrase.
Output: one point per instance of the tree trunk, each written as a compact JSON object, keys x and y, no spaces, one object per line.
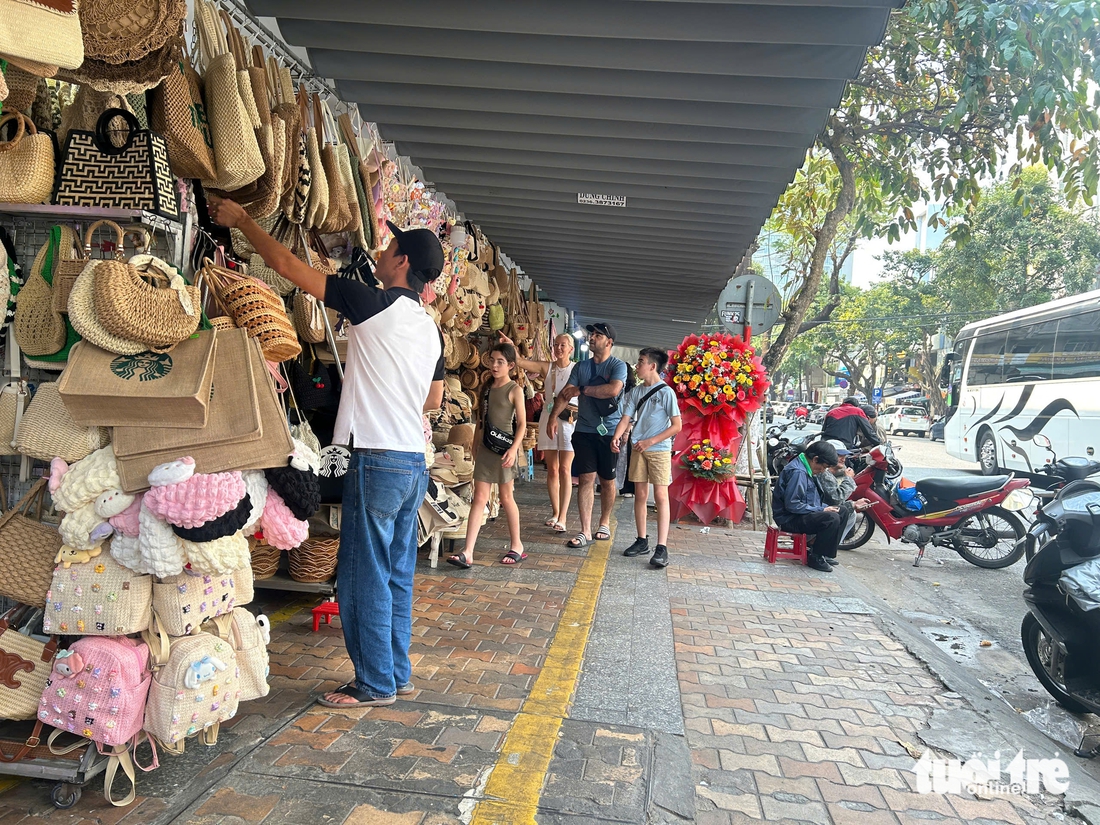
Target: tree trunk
{"x":803,"y":298}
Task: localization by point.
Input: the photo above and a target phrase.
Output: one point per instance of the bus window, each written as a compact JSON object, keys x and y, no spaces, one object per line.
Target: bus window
{"x":987,"y":360}
{"x":1077,"y":352}
{"x":1030,"y":352}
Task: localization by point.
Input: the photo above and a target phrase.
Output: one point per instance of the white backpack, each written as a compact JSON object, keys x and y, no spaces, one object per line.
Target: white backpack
{"x":249,"y":637}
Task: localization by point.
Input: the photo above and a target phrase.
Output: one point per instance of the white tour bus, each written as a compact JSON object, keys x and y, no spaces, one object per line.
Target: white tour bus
{"x":1027,"y":374}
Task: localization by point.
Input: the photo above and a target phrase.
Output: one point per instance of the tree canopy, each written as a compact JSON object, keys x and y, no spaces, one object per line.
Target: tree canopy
{"x":957,"y":90}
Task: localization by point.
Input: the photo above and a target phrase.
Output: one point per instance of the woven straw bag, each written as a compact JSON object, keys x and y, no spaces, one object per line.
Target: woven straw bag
{"x":338,"y":215}
{"x":27,"y":549}
{"x":147,"y":301}
{"x":317,"y":209}
{"x":71,"y":266}
{"x":13,"y":401}
{"x":44,"y":33}
{"x":314,"y":560}
{"x":82,"y":316}
{"x":255,"y":307}
{"x":47,"y":431}
{"x":26,"y":162}
{"x":177,"y":111}
{"x":22,"y":89}
{"x":39,"y":329}
{"x":309,"y":318}
{"x":258,"y":269}
{"x":27,"y":666}
{"x":237,"y":157}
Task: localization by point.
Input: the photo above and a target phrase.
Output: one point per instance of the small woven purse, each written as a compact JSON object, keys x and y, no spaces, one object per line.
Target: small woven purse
{"x":147,"y":301}
{"x":253,"y":306}
{"x":47,"y":431}
{"x":309,"y":318}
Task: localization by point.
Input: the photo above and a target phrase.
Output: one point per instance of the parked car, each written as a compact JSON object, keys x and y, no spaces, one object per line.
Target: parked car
{"x":902,"y":420}
{"x":935,"y":432}
{"x":817,"y":414}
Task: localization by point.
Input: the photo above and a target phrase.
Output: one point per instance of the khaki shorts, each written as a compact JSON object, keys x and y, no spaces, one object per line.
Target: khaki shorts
{"x":650,"y":468}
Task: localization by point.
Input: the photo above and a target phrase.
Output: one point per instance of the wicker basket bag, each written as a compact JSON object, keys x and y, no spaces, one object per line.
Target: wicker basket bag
{"x":27,"y":549}
{"x":255,"y":307}
{"x":26,"y":163}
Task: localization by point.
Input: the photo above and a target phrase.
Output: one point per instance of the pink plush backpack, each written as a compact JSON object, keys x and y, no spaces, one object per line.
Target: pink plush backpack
{"x":98,"y":689}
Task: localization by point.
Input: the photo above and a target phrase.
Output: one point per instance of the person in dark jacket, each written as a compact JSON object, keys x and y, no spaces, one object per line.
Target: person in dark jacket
{"x":848,"y":423}
{"x":798,"y":508}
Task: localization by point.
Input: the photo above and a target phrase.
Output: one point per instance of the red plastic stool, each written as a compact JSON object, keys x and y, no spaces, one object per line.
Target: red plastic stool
{"x":328,"y":610}
{"x":776,"y":546}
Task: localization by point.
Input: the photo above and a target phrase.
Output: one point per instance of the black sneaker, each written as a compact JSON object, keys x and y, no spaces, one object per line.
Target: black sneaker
{"x":818,"y":563}
{"x":660,"y":557}
{"x":639,"y":547}
{"x":831,"y":562}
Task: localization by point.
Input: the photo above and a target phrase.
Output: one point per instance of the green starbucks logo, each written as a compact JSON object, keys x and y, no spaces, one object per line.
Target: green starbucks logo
{"x":145,"y":366}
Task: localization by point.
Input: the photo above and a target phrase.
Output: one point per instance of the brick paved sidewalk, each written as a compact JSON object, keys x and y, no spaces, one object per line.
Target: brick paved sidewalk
{"x":721,"y":690}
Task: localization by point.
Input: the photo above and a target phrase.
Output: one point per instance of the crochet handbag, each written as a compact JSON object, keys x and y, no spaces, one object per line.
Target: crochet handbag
{"x":146,"y":301}
{"x":309,"y":318}
{"x":135,"y":175}
{"x":255,"y":307}
{"x":26,"y":666}
{"x":177,"y":111}
{"x":47,"y":431}
{"x":39,"y":328}
{"x":98,"y":598}
{"x":27,"y":550}
{"x":43,"y":33}
{"x":182,"y":603}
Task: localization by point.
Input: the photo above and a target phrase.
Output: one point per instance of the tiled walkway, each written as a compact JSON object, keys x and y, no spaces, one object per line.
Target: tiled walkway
{"x":722,"y":690}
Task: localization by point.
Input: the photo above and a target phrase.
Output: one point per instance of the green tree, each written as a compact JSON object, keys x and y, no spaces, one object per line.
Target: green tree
{"x":936,"y":109}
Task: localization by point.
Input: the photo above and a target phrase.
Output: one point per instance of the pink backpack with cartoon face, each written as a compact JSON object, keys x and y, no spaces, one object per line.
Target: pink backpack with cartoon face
{"x":98,"y":689}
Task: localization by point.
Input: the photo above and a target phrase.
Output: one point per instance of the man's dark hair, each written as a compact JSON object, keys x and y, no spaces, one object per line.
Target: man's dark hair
{"x":851,"y":399}
{"x":507,"y":350}
{"x":824,"y":452}
{"x":657,"y":357}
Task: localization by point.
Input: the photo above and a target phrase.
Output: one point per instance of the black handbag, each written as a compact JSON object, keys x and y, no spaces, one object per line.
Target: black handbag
{"x":136,"y":175}
{"x":312,"y":385}
{"x":496,"y":440}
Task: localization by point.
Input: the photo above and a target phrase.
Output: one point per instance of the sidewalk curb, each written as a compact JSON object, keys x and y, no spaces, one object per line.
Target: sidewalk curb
{"x":1084,"y":790}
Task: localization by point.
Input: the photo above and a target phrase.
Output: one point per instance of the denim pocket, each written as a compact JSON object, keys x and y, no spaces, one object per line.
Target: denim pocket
{"x":386,"y":487}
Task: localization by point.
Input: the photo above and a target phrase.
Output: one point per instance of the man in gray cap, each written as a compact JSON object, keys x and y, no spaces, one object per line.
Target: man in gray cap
{"x":598,"y":382}
{"x":394,"y":373}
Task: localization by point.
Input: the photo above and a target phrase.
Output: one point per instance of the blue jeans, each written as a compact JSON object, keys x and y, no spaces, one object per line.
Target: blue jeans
{"x":374,"y":576}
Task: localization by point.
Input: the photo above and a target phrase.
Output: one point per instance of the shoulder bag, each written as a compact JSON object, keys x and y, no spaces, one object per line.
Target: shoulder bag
{"x":26,"y":666}
{"x":26,"y":162}
{"x":496,"y":440}
{"x":27,"y":550}
{"x":177,"y":111}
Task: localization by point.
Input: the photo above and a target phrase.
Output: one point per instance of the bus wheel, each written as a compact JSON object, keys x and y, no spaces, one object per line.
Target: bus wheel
{"x":987,"y":453}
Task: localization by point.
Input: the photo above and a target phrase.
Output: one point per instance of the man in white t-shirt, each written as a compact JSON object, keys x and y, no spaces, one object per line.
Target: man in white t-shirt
{"x":394,"y":373}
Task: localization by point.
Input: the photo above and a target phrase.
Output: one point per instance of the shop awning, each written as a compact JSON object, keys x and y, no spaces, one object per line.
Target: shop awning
{"x":539,"y":119}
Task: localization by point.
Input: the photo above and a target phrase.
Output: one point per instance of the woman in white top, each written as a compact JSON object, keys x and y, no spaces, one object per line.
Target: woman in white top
{"x":557,"y":451}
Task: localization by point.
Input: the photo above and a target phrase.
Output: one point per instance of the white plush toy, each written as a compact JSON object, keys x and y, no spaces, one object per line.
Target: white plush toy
{"x":160,"y":548}
{"x":222,"y":555}
{"x":74,"y":486}
{"x":256,"y":484}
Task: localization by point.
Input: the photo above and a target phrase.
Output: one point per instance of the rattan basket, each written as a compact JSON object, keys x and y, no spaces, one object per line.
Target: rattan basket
{"x":314,"y":560}
{"x":265,"y":559}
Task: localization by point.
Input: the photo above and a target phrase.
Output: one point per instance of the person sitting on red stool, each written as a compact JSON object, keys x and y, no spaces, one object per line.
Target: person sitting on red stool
{"x":798,"y":508}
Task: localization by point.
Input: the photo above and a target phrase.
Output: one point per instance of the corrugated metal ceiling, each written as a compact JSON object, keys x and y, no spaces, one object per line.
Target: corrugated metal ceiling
{"x":698,"y":113}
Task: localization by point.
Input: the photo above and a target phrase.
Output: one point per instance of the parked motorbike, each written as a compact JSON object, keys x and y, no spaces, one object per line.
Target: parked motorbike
{"x":1053,"y":477}
{"x":976,"y":517}
{"x":783,"y":445}
{"x":1059,"y":634}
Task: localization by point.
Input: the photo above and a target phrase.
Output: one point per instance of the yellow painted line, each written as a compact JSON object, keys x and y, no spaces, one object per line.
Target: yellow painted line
{"x":9,"y":782}
{"x":511,"y":795}
{"x":286,"y":613}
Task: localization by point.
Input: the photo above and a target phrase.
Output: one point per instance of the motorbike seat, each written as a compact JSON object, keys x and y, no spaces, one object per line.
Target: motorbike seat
{"x":951,"y":489}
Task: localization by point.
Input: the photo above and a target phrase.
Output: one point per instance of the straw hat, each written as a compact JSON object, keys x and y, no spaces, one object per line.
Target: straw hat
{"x":120,"y":38}
{"x":132,"y":77}
{"x":463,"y":435}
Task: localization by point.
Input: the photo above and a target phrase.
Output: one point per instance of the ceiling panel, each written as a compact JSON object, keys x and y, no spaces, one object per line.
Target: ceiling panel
{"x":698,"y":113}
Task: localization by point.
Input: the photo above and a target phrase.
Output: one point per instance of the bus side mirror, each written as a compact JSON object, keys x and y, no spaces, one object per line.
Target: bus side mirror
{"x":946,"y":367}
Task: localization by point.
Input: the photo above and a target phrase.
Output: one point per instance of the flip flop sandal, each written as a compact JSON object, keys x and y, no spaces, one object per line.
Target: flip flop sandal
{"x":512,"y":558}
{"x":603,"y":534}
{"x":579,"y":541}
{"x":559,"y":527}
{"x":550,"y":522}
{"x":459,"y":561}
{"x":361,"y":697}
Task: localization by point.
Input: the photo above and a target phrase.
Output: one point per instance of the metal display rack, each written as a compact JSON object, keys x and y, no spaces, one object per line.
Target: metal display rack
{"x":69,"y":774}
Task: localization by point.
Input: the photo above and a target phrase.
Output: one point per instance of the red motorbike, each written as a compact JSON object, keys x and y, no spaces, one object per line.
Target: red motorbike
{"x":976,"y":517}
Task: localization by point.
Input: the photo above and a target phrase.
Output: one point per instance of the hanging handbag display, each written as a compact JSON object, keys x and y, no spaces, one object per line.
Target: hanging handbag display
{"x":27,"y":664}
{"x":45,"y":33}
{"x":135,"y":175}
{"x":177,"y":111}
{"x":27,"y":162}
{"x":237,"y":157}
{"x":27,"y":549}
{"x":318,"y":206}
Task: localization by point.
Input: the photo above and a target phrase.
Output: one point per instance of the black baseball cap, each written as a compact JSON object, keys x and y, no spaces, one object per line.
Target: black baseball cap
{"x":603,"y":328}
{"x":423,"y":249}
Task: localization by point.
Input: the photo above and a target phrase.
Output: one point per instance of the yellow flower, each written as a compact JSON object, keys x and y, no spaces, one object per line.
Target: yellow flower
{"x":706,"y":441}
{"x":695,"y":446}
{"x":708,"y":399}
{"x":727,"y":460}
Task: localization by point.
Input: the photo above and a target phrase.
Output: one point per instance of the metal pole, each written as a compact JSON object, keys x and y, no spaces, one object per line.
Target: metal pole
{"x":749,"y":290}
